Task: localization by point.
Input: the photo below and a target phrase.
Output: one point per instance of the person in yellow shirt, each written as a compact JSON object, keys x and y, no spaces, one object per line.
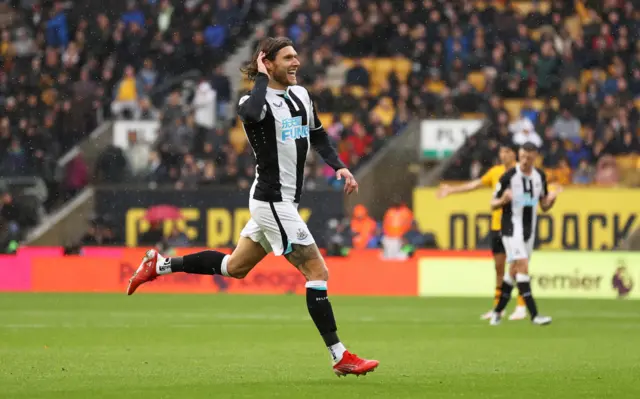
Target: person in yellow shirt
{"x":508,"y":155}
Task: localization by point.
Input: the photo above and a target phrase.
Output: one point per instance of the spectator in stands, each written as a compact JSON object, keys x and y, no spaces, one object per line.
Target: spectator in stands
{"x":396,"y":223}
{"x":566,"y":125}
{"x":204,"y":106}
{"x":584,"y":175}
{"x":127,"y":93}
{"x":526,"y":134}
{"x":363,"y":227}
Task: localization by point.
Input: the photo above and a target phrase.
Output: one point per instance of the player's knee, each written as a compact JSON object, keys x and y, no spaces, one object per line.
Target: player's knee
{"x":319,"y":273}
{"x":237,"y":269}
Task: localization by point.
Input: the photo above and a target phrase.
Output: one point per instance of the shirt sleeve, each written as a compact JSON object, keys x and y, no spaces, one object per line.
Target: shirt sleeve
{"x":545,"y":187}
{"x":321,"y":143}
{"x":487,"y":178}
{"x":503,"y":185}
{"x":252,"y":107}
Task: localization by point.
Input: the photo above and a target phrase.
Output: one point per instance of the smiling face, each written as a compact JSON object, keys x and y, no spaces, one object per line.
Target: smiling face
{"x":284,"y":67}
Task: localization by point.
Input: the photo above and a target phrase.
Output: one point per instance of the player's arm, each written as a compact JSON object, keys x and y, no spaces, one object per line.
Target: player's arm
{"x":251,"y":108}
{"x":321,"y":143}
{"x":446,"y":189}
{"x":502,"y":195}
{"x":547,"y":199}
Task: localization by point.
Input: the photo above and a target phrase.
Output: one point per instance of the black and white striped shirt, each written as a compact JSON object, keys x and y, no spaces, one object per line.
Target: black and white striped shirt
{"x":519,"y":217}
{"x":281,"y":126}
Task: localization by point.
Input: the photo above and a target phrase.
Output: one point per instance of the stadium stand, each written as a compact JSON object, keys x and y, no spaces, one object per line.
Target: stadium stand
{"x":62,"y":65}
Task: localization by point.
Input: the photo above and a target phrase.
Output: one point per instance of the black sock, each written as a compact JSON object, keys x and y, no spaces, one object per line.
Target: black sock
{"x":524,"y":286}
{"x":205,"y":262}
{"x":322,"y":315}
{"x":505,"y":296}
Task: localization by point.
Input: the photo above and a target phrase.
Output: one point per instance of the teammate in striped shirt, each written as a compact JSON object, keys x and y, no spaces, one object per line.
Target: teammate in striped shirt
{"x":520,"y":190}
{"x":491,"y":178}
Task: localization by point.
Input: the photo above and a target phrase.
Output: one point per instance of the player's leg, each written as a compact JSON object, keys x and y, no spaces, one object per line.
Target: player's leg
{"x":515,"y":251}
{"x":524,"y":286}
{"x":288,"y":235}
{"x":499,"y":260}
{"x":248,"y":253}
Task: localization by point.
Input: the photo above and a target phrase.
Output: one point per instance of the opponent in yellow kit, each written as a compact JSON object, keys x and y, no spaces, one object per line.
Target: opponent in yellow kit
{"x":490,"y":179}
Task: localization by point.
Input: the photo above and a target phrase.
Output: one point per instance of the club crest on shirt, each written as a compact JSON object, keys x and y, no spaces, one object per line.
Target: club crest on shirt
{"x":301,"y":235}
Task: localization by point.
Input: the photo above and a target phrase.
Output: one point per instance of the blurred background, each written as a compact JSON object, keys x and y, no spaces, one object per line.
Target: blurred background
{"x":118,"y":124}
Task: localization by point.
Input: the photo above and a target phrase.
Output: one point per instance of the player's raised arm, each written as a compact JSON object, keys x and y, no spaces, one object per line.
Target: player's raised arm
{"x":502,"y":195}
{"x":251,"y":107}
{"x":485,"y":180}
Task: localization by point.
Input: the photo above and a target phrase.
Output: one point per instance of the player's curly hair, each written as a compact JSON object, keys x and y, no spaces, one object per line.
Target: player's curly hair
{"x":270,"y":46}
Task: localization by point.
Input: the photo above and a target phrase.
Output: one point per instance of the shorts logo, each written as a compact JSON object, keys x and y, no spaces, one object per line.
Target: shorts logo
{"x":293,"y":129}
{"x":301,"y":234}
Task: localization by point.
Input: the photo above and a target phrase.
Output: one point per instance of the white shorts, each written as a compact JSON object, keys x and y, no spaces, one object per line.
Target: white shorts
{"x":517,"y":248}
{"x":276,"y":226}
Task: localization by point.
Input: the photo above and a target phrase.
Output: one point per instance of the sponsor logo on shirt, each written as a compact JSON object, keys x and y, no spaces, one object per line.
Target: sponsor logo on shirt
{"x":292,"y":129}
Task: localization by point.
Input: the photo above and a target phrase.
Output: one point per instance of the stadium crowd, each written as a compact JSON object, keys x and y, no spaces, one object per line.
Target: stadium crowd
{"x":65,"y":66}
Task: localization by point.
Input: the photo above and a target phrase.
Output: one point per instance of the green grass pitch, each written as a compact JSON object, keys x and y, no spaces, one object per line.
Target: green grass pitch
{"x":219,"y":346}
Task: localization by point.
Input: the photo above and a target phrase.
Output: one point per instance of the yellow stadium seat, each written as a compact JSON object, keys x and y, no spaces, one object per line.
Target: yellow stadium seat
{"x":381,"y":69}
{"x":402,"y":67}
{"x":537,"y":104}
{"x":473,"y":115}
{"x":237,"y":139}
{"x":326,"y":119}
{"x":435,"y":86}
{"x":357,"y":91}
{"x":513,"y":106}
{"x":637,"y":103}
{"x":346,"y":119}
{"x":477,"y":80}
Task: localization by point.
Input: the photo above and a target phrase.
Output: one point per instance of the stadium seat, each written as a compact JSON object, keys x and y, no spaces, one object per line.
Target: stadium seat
{"x":435,"y":86}
{"x":326,"y":119}
{"x":513,"y":107}
{"x":477,"y":80}
{"x":402,"y":67}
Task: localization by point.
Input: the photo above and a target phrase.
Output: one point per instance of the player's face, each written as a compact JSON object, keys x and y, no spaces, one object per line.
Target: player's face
{"x":527,"y":159}
{"x":507,"y":156}
{"x":285,"y":66}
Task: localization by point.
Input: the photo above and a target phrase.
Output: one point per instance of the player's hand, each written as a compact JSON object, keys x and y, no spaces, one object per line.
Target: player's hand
{"x":261,"y":67}
{"x":507,"y":196}
{"x":443,"y":191}
{"x":350,"y":183}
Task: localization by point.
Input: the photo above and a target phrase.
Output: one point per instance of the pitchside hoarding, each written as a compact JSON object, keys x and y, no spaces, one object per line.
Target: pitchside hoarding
{"x":588,"y":219}
{"x":589,"y":275}
{"x":211,"y":217}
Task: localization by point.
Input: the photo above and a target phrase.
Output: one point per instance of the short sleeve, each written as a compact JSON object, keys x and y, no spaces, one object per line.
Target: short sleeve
{"x":503,"y":185}
{"x":487,"y":178}
{"x":545,"y":187}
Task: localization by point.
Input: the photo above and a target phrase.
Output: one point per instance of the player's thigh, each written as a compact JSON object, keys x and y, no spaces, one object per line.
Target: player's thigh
{"x":289,"y":235}
{"x":516,"y":251}
{"x":251,"y":249}
{"x":281,"y":225}
{"x":499,"y":254}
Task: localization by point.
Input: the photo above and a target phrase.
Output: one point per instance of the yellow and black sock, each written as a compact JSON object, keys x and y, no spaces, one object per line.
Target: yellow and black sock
{"x":505,"y":296}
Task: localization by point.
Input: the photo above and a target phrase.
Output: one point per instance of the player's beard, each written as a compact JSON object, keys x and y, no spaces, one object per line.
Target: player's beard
{"x":282,"y":77}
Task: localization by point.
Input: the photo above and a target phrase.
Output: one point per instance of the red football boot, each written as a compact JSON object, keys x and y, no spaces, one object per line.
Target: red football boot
{"x":352,"y":364}
{"x":146,"y":271}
